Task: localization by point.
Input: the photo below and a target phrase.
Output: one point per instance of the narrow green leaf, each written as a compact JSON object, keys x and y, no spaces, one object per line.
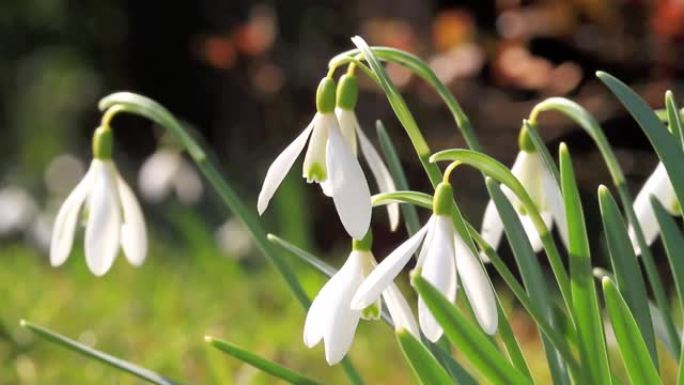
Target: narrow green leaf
{"x":456,"y":371}
{"x":531,"y":273}
{"x":394,"y":164}
{"x":401,"y":110}
{"x":633,"y":350}
{"x":668,"y":150}
{"x":88,"y":352}
{"x":423,"y":363}
{"x":472,"y":342}
{"x":673,"y":240}
{"x":674,"y":120}
{"x":260,"y":363}
{"x":304,"y":255}
{"x":627,"y":271}
{"x":586,"y":311}
{"x":511,"y":344}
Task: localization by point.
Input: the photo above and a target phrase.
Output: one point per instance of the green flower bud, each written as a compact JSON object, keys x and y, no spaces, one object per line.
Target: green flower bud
{"x":443,"y":200}
{"x":347,"y":92}
{"x":364,"y":244}
{"x":325,"y":96}
{"x":103,"y":143}
{"x":524,"y":141}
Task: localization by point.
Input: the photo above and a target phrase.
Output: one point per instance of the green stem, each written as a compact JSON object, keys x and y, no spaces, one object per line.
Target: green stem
{"x":142,"y":106}
{"x":423,"y":70}
{"x":585,"y":120}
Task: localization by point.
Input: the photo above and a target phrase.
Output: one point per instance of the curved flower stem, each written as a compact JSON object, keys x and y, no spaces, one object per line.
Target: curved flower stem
{"x":142,"y":106}
{"x":582,"y":117}
{"x":423,"y":70}
{"x":494,"y":169}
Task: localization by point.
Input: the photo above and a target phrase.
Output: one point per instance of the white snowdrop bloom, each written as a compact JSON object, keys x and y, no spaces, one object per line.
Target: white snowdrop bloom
{"x":443,"y":258}
{"x":112,"y":214}
{"x":166,"y":170}
{"x":233,"y":239}
{"x":17,"y":210}
{"x":332,"y":320}
{"x":540,"y":184}
{"x":347,"y":93}
{"x":658,"y":185}
{"x":330,"y":160}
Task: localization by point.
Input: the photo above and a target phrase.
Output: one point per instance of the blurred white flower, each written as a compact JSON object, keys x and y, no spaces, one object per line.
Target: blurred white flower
{"x":17,"y":210}
{"x":62,"y":173}
{"x":331,"y":318}
{"x":658,"y":185}
{"x":443,"y":257}
{"x":113,"y":220}
{"x":545,"y":193}
{"x":329,"y":160}
{"x":233,"y":239}
{"x":167,"y":170}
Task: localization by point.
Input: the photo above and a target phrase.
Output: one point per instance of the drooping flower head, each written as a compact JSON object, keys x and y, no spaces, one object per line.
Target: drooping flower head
{"x":542,"y":187}
{"x":347,"y":96}
{"x":660,"y":186}
{"x":443,"y":258}
{"x":330,"y":161}
{"x":112,"y":214}
{"x":331,"y":318}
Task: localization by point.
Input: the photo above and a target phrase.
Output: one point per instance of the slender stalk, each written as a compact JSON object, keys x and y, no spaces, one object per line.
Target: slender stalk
{"x":139,"y":105}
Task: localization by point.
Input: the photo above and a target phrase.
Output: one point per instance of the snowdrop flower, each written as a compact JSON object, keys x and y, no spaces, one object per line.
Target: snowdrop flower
{"x":347,"y":95}
{"x":112,"y":214}
{"x":529,"y":169}
{"x":18,"y":210}
{"x":167,"y":170}
{"x":331,"y":318}
{"x":443,"y":258}
{"x":658,"y":185}
{"x":330,"y":160}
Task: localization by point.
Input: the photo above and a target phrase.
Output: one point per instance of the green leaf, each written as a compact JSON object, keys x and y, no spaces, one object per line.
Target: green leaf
{"x":586,"y":311}
{"x":472,"y":342}
{"x":531,"y":273}
{"x":673,"y":240}
{"x":674,"y":119}
{"x":304,"y":255}
{"x":511,"y":344}
{"x":260,"y":363}
{"x":88,"y":352}
{"x":633,"y":350}
{"x":415,"y":198}
{"x":456,"y":371}
{"x":494,"y":169}
{"x":394,"y":164}
{"x":626,"y":268}
{"x":401,"y":110}
{"x":423,"y":363}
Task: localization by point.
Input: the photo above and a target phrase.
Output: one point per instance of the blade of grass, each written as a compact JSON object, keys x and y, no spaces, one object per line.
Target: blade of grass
{"x":456,"y":371}
{"x":626,"y":267}
{"x":633,"y":350}
{"x":424,"y":365}
{"x":674,"y":120}
{"x":394,"y":164}
{"x":511,"y":344}
{"x":260,"y":363}
{"x":592,"y":345}
{"x":88,"y":352}
{"x":531,"y":273}
{"x":473,"y":343}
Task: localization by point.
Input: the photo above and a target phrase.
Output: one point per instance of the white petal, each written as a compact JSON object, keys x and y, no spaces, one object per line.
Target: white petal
{"x":348,"y":125}
{"x":326,"y":187}
{"x":400,"y":311}
{"x":133,"y":229}
{"x":279,"y":168}
{"x":529,"y":169}
{"x":67,"y":219}
{"x":157,"y":174}
{"x":381,"y":174}
{"x":102,"y":234}
{"x":554,"y":199}
{"x":349,"y":186}
{"x":188,"y":183}
{"x":477,"y":287}
{"x":342,"y":320}
{"x":531,"y":230}
{"x":383,"y":274}
{"x":440,"y":270}
{"x":658,"y":185}
{"x":492,"y":228}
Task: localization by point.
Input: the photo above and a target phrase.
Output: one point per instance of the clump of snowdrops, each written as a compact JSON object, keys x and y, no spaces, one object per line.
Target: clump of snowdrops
{"x":529,"y":199}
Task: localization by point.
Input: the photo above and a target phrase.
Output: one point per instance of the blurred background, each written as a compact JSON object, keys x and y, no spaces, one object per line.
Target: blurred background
{"x":243,"y":74}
